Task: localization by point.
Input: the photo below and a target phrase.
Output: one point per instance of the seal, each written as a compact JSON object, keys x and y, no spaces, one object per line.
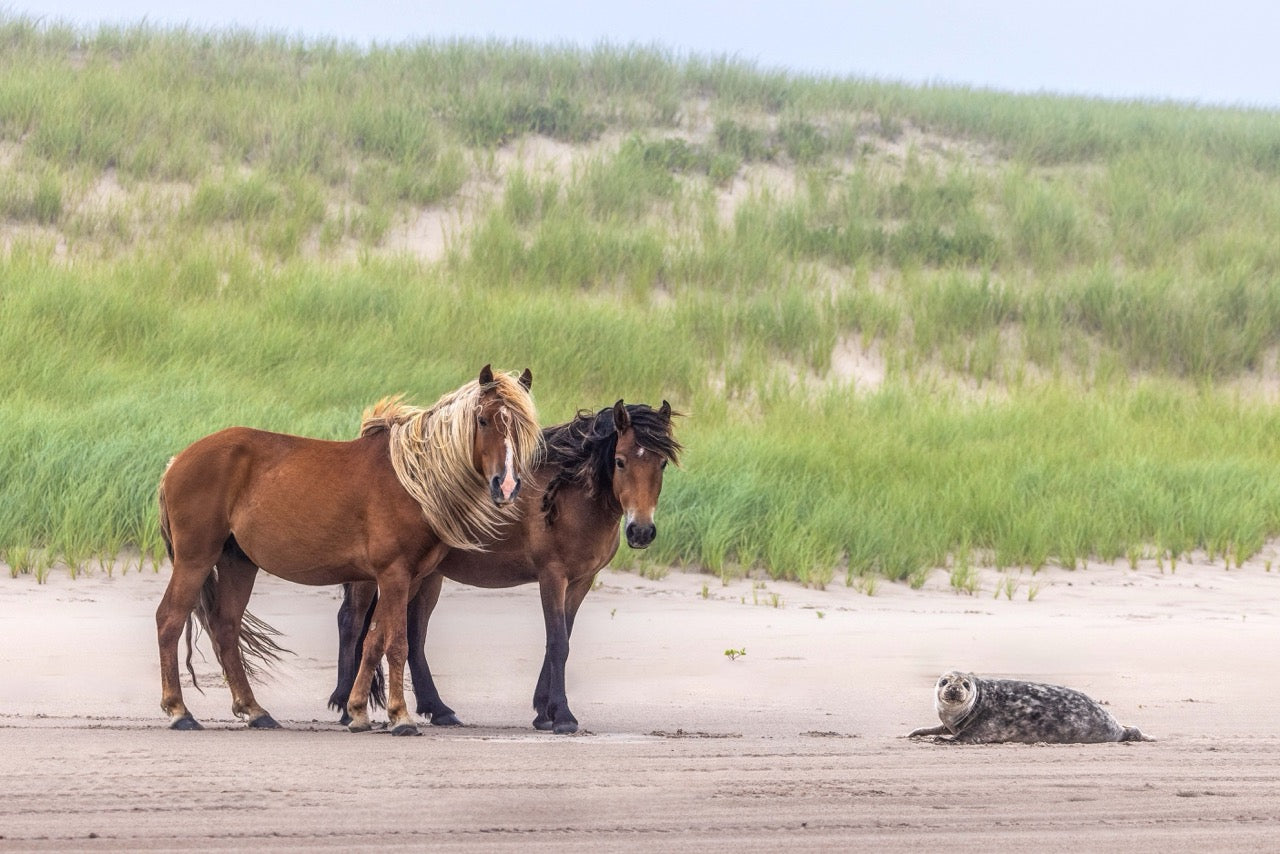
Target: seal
{"x":986,"y":711}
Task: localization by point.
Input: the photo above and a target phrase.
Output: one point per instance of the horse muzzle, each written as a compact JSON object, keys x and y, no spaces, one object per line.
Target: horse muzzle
{"x":639,"y":536}
{"x":503,"y":490}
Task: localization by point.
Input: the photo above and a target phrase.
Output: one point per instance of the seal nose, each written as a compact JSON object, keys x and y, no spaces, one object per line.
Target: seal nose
{"x":640,"y":536}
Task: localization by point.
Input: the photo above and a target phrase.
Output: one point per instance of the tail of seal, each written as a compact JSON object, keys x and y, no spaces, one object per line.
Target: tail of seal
{"x":1132,"y":733}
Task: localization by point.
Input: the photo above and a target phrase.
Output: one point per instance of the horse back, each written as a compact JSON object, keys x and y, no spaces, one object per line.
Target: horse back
{"x":232,"y":462}
{"x":297,"y":506}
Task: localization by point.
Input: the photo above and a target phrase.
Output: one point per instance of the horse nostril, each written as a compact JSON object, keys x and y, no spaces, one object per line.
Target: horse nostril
{"x":640,"y":535}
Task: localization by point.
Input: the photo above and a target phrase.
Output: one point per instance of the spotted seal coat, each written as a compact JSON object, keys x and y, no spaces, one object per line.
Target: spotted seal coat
{"x":983,"y":711}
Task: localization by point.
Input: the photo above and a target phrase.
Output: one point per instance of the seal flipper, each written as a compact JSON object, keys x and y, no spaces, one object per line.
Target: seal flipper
{"x":932,"y":730}
{"x":1132,"y":733}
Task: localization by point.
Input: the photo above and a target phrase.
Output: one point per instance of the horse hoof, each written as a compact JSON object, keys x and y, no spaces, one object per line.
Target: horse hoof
{"x":359,"y":727}
{"x":264,"y":722}
{"x":186,"y":723}
{"x":543,"y":724}
{"x":565,"y":728}
{"x":449,"y":719}
{"x":405,"y":729}
{"x":345,"y":719}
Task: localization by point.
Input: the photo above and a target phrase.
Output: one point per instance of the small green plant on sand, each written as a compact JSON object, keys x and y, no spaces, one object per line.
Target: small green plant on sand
{"x":732,"y":654}
{"x":866,"y":584}
{"x":1008,"y":586}
{"x":964,"y":576}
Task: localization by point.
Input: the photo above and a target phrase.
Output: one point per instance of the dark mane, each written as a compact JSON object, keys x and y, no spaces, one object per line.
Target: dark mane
{"x":582,"y":449}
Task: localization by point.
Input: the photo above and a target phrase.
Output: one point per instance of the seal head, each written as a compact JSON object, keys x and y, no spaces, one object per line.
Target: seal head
{"x":955,"y":698}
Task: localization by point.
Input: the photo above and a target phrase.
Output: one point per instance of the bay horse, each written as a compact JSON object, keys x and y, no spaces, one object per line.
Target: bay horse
{"x":383,"y":508}
{"x":599,"y":468}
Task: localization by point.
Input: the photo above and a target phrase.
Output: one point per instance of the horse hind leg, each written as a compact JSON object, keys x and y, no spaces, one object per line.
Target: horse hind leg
{"x":222,"y":610}
{"x":172,"y":615}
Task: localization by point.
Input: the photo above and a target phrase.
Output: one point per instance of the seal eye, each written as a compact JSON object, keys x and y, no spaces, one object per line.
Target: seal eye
{"x":966,"y":685}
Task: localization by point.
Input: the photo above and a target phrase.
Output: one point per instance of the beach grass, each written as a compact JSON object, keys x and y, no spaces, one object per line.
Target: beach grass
{"x":1073,"y":303}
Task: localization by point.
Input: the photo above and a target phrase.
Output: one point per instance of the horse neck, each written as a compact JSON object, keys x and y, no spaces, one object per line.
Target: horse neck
{"x":582,"y":507}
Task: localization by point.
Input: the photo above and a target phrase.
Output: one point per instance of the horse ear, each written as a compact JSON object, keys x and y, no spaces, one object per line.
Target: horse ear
{"x":621,"y":420}
{"x":526,"y":379}
{"x":665,"y":411}
{"x":486,"y":375}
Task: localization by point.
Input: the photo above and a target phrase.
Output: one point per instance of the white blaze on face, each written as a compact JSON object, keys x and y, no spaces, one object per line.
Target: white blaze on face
{"x":508,"y":477}
{"x":508,"y":472}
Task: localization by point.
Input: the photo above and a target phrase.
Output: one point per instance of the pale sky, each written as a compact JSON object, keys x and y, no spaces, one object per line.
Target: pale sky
{"x":1225,"y":52}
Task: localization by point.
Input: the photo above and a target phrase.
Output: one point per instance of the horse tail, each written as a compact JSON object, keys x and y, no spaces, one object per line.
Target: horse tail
{"x":378,"y":688}
{"x":258,"y":649}
{"x":165,"y":533}
{"x":346,"y":620}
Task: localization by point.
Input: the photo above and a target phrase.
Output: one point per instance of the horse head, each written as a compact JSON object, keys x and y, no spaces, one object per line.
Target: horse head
{"x":504,"y":416}
{"x":644,"y":446}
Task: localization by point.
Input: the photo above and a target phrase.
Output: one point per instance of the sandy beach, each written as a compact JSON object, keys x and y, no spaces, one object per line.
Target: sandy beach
{"x":796,"y":744}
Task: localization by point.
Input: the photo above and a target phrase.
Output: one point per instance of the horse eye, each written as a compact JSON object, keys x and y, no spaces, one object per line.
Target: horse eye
{"x":664,"y":464}
{"x":484,"y":422}
{"x":619,"y":462}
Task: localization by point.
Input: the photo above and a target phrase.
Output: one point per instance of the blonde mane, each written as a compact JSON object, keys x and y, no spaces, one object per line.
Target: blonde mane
{"x":431,"y":454}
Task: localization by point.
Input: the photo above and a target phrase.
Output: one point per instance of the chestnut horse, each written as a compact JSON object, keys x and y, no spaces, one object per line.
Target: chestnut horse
{"x":598,"y":467}
{"x":383,"y":508}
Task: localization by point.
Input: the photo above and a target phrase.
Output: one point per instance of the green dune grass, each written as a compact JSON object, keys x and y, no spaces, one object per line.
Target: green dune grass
{"x":1067,"y":300}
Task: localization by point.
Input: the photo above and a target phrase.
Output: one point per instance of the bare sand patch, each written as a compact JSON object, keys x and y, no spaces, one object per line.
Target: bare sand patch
{"x":797,"y":743}
{"x":776,"y":182}
{"x":864,"y":367}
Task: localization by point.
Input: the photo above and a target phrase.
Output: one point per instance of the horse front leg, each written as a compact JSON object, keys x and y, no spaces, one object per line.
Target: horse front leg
{"x":386,"y":636}
{"x":424,"y":687}
{"x":576,"y":592}
{"x":553,"y":707}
